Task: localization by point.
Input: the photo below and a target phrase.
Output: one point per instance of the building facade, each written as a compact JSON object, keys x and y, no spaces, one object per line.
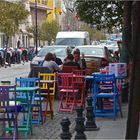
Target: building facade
{"x":46,"y":10}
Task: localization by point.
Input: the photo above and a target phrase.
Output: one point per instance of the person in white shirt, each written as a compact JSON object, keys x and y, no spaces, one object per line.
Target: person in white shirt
{"x":50,"y":63}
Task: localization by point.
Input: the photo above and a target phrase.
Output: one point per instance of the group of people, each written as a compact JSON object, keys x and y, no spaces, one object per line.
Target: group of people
{"x":56,"y":65}
{"x":15,"y":55}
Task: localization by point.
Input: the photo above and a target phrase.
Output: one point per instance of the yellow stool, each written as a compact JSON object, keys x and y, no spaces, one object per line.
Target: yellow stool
{"x":47,"y":86}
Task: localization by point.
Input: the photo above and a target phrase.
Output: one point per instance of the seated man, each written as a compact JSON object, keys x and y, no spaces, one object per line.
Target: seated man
{"x":78,"y":59}
{"x":69,"y":64}
{"x":57,"y":60}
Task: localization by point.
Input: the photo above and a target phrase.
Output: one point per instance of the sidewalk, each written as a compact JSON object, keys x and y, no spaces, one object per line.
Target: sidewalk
{"x":109,"y":129}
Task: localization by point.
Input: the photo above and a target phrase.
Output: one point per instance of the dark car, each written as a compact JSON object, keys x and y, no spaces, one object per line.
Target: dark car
{"x":96,"y":57}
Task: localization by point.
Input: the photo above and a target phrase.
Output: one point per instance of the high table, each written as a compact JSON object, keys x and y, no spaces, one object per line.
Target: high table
{"x":28,"y":101}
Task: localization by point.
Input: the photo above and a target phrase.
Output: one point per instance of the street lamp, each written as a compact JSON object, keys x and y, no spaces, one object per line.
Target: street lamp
{"x":36,"y":30}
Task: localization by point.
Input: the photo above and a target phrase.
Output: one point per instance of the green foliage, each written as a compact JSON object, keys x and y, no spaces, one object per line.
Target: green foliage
{"x":103,"y":14}
{"x":49,"y":30}
{"x":11,"y":15}
{"x":32,"y":30}
{"x":93,"y":33}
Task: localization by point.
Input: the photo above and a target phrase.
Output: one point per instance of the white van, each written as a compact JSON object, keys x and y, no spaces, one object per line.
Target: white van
{"x":72,"y":38}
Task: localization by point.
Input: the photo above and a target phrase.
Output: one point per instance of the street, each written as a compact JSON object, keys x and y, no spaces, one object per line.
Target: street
{"x":16,"y":70}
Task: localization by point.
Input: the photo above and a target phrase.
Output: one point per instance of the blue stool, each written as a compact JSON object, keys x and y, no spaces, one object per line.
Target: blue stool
{"x":106,"y":100}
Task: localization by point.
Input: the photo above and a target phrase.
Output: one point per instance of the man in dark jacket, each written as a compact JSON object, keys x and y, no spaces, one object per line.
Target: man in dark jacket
{"x":57,"y":60}
{"x":79,"y":60}
{"x":70,"y":62}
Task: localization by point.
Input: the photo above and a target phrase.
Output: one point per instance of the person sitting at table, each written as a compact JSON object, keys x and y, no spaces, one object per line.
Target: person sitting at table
{"x":78,"y":59}
{"x":50,"y":63}
{"x":57,"y":60}
{"x":70,"y":62}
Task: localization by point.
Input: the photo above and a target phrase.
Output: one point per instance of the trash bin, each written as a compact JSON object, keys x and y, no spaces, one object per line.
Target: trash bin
{"x":125,"y":87}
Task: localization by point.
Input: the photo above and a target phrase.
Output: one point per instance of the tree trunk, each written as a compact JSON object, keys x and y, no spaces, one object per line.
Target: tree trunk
{"x":134,"y":102}
{"x":126,"y":50}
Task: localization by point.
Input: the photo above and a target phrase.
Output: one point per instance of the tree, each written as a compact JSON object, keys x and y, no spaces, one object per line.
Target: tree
{"x":32,"y":30}
{"x":93,"y":33}
{"x":104,"y":14}
{"x":49,"y":31}
{"x":11,"y":15}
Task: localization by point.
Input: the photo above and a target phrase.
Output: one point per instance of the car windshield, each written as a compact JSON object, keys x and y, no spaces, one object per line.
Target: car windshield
{"x":112,"y":43}
{"x":58,"y":51}
{"x":92,"y":51}
{"x":70,"y":41}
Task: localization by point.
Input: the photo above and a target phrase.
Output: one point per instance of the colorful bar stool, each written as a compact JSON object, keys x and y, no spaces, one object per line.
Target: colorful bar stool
{"x":9,"y":111}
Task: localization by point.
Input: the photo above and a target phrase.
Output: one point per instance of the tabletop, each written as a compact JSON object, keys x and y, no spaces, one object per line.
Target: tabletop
{"x":26,"y":88}
{"x":47,"y":81}
{"x":91,"y":77}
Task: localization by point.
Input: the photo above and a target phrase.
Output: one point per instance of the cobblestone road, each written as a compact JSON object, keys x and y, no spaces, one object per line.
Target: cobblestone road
{"x":52,"y":128}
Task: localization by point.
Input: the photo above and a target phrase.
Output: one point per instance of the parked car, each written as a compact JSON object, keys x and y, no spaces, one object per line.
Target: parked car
{"x":60,"y":51}
{"x":111,"y":45}
{"x":96,"y":57}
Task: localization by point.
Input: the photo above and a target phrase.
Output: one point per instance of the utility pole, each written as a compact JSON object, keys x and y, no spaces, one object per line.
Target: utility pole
{"x":36,"y":28}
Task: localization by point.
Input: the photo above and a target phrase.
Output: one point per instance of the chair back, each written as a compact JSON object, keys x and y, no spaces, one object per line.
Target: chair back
{"x":104,"y":83}
{"x":26,"y":82}
{"x":69,"y":69}
{"x":79,"y":72}
{"x":8,"y":100}
{"x":48,"y":76}
{"x":35,"y":70}
{"x":65,"y":80}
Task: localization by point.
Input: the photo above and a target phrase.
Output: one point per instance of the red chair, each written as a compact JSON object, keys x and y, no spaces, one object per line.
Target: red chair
{"x":79,"y":80}
{"x":79,"y":72}
{"x":67,"y":92}
{"x":69,"y":69}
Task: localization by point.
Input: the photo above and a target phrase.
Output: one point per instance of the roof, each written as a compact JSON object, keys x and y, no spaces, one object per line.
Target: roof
{"x":92,"y":46}
{"x":72,"y":34}
{"x":56,"y":46}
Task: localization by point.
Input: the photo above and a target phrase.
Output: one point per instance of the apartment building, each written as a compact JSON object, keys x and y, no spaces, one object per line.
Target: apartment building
{"x":46,"y":10}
